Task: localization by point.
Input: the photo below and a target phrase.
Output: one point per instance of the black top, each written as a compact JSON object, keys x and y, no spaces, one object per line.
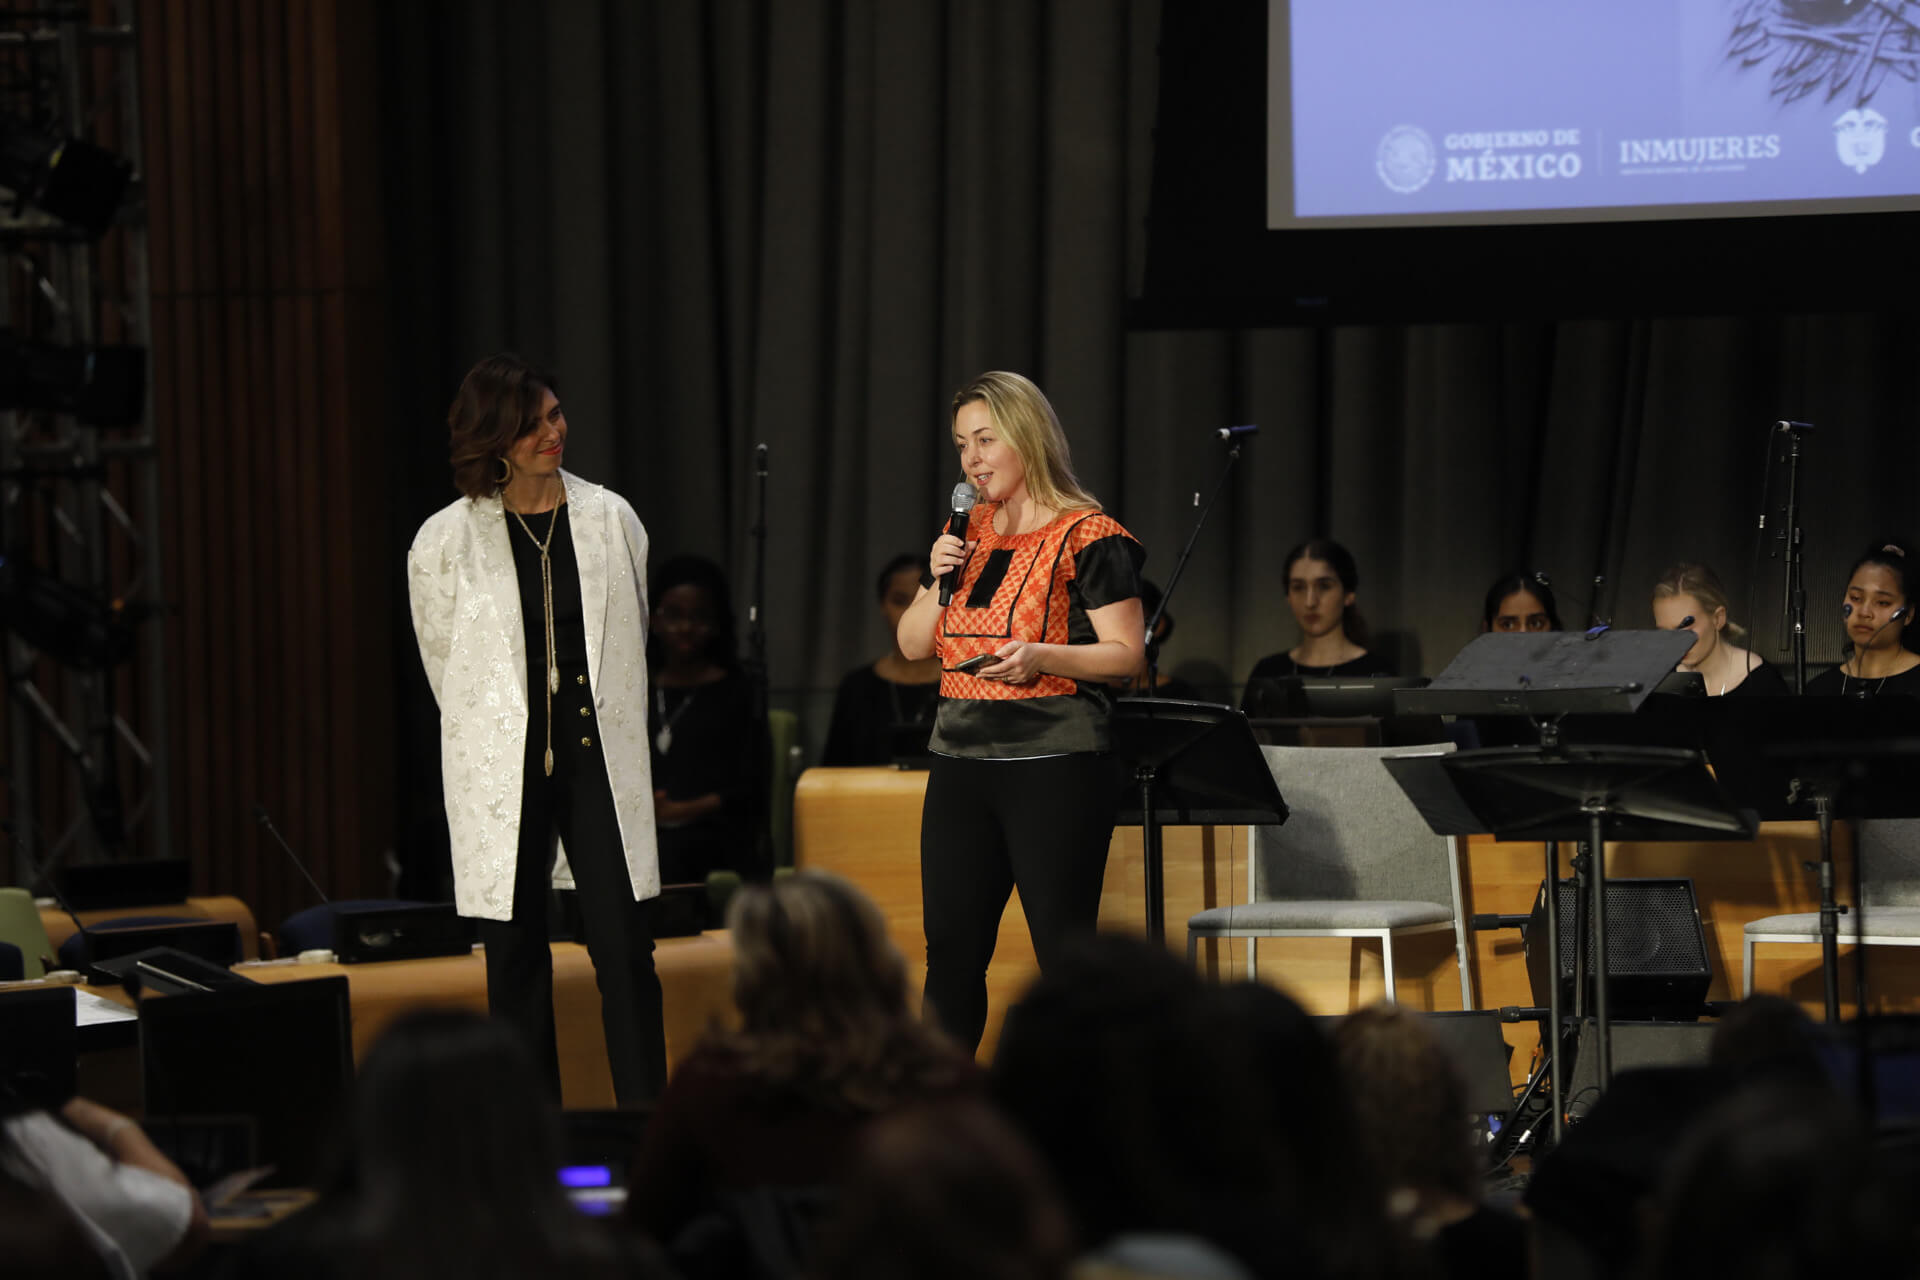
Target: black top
{"x":1764,"y":681}
{"x":1837,"y":683}
{"x":569,"y":621}
{"x":866,"y":707}
{"x":1276,"y":665}
{"x":712,"y":746}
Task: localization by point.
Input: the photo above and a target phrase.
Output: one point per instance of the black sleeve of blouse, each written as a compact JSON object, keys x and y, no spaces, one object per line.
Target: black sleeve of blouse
{"x":1107,"y":570}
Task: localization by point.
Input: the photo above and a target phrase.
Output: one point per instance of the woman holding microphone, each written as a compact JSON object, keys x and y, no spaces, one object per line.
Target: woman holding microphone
{"x":1045,"y":612}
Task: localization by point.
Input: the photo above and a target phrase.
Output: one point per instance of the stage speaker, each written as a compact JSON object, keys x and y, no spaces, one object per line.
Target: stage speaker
{"x":1657,"y":965}
{"x":399,"y":931}
{"x":1635,"y":1046}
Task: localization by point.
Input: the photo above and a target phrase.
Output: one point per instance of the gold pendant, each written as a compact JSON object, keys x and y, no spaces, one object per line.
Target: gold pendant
{"x":549,"y":762}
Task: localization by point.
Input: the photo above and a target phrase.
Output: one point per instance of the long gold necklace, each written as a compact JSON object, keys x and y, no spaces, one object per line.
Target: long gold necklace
{"x":546,"y":599}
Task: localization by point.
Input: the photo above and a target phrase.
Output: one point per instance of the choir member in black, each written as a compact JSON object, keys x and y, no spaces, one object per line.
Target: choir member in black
{"x":894,"y":690}
{"x":710,"y":752}
{"x":1690,"y":597}
{"x":1520,"y":602}
{"x":1875,"y":659}
{"x":1322,"y":582}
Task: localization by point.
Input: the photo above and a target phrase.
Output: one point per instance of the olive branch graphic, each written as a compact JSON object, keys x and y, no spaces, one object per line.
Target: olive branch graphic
{"x":1839,"y":46}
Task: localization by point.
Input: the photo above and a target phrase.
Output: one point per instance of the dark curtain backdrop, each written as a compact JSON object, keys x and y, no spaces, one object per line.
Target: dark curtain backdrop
{"x":804,"y":223}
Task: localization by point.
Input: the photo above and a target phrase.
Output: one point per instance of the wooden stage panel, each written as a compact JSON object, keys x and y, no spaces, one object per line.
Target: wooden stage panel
{"x":864,"y":824}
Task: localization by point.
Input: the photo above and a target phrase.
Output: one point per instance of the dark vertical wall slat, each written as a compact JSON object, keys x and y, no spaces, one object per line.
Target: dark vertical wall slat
{"x":256,"y":153}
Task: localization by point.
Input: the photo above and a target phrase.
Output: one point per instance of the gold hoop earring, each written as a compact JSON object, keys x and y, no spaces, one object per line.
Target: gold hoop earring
{"x":506,"y":472}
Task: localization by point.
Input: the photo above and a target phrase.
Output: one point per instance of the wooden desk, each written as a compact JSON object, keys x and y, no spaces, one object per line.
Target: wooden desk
{"x":59,"y":925}
{"x":696,"y":981}
{"x":865,"y":825}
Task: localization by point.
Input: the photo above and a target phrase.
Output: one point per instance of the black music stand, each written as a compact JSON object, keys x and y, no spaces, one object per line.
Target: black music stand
{"x":1791,"y":758}
{"x":1553,"y":793}
{"x":1190,"y":764}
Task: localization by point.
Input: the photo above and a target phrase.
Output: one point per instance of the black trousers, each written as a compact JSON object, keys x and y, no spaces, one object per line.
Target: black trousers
{"x":991,"y":825}
{"x":577,"y":803}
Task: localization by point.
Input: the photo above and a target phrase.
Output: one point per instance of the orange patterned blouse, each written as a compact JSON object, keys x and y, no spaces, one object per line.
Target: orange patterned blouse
{"x":1036,"y":586}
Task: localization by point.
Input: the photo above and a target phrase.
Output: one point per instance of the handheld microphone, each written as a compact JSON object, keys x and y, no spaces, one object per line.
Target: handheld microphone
{"x":260,"y":815}
{"x":1795,"y":428}
{"x":1234,"y":433}
{"x":760,"y":460}
{"x":963,"y":499}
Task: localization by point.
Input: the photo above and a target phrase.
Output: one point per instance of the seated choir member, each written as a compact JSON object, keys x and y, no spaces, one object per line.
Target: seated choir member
{"x":825,"y":1047}
{"x":1321,"y":583}
{"x":891,"y":690}
{"x":710,"y":752}
{"x":1690,"y":597}
{"x":1875,"y":658}
{"x":1519,"y":602}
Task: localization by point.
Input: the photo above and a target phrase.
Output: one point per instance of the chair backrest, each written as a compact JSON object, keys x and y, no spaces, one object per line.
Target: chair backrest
{"x":1889,"y":850}
{"x":1352,"y":834}
{"x":20,"y":924}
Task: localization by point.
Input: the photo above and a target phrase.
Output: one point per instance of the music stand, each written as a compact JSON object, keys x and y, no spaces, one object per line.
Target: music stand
{"x":1553,"y":793}
{"x":1782,"y":757}
{"x":1191,"y":764}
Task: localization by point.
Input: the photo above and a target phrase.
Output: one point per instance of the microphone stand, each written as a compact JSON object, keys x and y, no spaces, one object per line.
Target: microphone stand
{"x":1180,"y":565}
{"x":1146,"y":773}
{"x":757,"y":649}
{"x":1794,"y":606}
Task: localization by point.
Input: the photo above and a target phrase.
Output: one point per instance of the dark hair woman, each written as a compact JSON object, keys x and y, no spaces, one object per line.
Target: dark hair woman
{"x":1518,"y":602}
{"x":451,"y":1154}
{"x":890,"y":692}
{"x":1877,"y":610}
{"x":826,"y":1044}
{"x":1046,"y":614}
{"x":1322,"y":583}
{"x":527,"y":596}
{"x":710,"y":752}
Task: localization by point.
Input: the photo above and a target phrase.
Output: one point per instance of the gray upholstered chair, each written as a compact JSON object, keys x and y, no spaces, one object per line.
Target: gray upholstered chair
{"x":1889,"y":853}
{"x":1354,"y":860}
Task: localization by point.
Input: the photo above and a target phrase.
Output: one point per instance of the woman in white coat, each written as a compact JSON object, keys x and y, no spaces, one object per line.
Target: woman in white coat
{"x":528,"y":602}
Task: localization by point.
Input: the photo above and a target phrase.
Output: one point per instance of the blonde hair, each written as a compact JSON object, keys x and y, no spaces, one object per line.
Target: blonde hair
{"x":822,"y":995}
{"x":1020,"y":413}
{"x":1704,"y":585}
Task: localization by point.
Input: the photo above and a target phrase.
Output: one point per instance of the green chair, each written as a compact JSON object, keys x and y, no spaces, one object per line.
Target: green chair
{"x":20,"y":925}
{"x":783,"y":730}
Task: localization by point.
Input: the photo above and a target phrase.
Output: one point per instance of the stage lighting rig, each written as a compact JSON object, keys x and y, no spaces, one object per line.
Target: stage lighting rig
{"x":66,"y":623}
{"x":101,"y":386}
{"x":68,"y":179}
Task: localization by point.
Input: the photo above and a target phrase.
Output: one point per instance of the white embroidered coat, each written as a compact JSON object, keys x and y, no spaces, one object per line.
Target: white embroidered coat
{"x":467,"y":618}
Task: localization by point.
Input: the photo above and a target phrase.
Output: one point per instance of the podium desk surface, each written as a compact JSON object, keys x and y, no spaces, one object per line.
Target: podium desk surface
{"x":696,"y":981}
